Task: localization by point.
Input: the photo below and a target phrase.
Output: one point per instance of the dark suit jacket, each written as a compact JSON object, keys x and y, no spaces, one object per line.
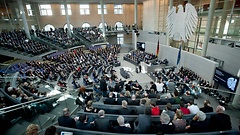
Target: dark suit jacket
{"x":160,"y":102}
{"x":199,"y":126}
{"x":120,"y":99}
{"x":152,"y":95}
{"x":125,"y":111}
{"x":133,"y":102}
{"x":206,"y":109}
{"x":220,"y":122}
{"x":110,"y":101}
{"x":140,"y":109}
{"x":143,"y":124}
{"x":102,"y":124}
{"x":122,"y":129}
{"x":166,"y":128}
{"x":153,"y":87}
{"x":66,"y":121}
{"x":103,"y":85}
{"x":83,"y":126}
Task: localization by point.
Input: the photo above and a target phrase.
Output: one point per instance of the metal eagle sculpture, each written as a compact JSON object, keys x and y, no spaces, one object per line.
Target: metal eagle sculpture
{"x":181,"y":25}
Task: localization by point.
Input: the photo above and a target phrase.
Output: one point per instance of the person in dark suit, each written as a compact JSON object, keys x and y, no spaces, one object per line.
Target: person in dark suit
{"x":153,"y":86}
{"x":198,"y":124}
{"x":124,"y":110}
{"x":166,"y":126}
{"x":143,"y":122}
{"x":133,"y":101}
{"x":103,"y":86}
{"x":121,"y":98}
{"x":122,"y":128}
{"x":66,"y":120}
{"x":187,"y":97}
{"x":152,"y":94}
{"x":110,"y":100}
{"x":84,"y":122}
{"x":220,"y":121}
{"x":102,"y":123}
{"x":207,"y":107}
{"x":140,"y":109}
{"x":159,"y":101}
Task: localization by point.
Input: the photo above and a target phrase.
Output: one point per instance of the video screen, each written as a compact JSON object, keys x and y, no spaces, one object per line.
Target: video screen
{"x":141,"y":46}
{"x":225,"y":79}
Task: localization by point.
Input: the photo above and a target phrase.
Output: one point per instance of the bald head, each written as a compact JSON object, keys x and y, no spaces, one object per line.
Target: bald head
{"x":220,"y":109}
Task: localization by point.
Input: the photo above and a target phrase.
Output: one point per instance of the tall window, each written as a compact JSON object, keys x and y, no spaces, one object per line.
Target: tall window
{"x":63,"y":10}
{"x":120,"y":39}
{"x":85,"y":25}
{"x":119,"y":26}
{"x":84,"y":9}
{"x":100,"y":25}
{"x":104,"y":9}
{"x":45,"y":10}
{"x":29,"y":10}
{"x":118,"y":9}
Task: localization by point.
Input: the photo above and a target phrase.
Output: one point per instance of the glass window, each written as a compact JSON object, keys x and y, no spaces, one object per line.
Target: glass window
{"x":49,"y":27}
{"x":85,"y":25}
{"x":66,"y":27}
{"x":100,"y":26}
{"x":104,"y":9}
{"x":45,"y":10}
{"x":120,"y":39}
{"x":84,"y":9}
{"x":63,"y":9}
{"x":29,"y":10}
{"x":119,"y":26}
{"x":118,"y":9}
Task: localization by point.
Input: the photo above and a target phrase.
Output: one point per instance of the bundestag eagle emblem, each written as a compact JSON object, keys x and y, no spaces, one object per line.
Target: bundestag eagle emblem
{"x":180,"y":24}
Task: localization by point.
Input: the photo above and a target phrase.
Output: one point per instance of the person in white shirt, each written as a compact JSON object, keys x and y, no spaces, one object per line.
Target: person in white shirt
{"x":159,"y":86}
{"x":192,"y":108}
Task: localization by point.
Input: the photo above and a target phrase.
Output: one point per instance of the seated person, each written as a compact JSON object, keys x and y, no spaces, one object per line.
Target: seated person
{"x":84,"y":122}
{"x":127,"y":94}
{"x":198,"y":124}
{"x":143,"y":123}
{"x":89,"y":107}
{"x":207,"y":107}
{"x":152,"y":94}
{"x":110,"y":100}
{"x":192,"y":108}
{"x":122,"y":128}
{"x":187,"y":97}
{"x":140,"y":109}
{"x":155,"y":110}
{"x":220,"y":121}
{"x":86,"y":80}
{"x":102,"y":123}
{"x":121,"y":98}
{"x":137,"y":87}
{"x":176,"y":97}
{"x":65,"y":120}
{"x":148,"y":101}
{"x":183,"y":108}
{"x":133,"y":101}
{"x":166,"y":126}
{"x":169,"y":111}
{"x":180,"y":124}
{"x":124,"y":110}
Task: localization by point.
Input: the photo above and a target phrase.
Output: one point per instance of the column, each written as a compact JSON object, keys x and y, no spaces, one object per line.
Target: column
{"x":135,"y":11}
{"x":24,"y":20}
{"x":208,"y":27}
{"x":167,"y":35}
{"x":236,"y":99}
{"x":215,"y":25}
{"x":67,"y":18}
{"x":36,"y":12}
{"x":103,"y":22}
{"x":223,"y":18}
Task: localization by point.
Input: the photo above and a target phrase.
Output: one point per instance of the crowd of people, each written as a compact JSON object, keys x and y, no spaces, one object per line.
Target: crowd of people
{"x":92,"y":34}
{"x":60,"y":36}
{"x":18,"y":41}
{"x":140,"y":56}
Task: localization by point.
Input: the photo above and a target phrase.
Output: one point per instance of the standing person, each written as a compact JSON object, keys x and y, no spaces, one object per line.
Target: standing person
{"x":153,"y":86}
{"x":65,"y":120}
{"x":220,"y":121}
{"x":143,"y":122}
{"x":103,"y":86}
{"x":159,"y":85}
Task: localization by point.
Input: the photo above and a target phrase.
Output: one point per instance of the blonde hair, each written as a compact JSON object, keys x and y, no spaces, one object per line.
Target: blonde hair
{"x":32,"y":129}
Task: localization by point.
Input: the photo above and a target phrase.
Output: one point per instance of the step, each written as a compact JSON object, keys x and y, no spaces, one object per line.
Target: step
{"x":41,"y":119}
{"x":52,"y":116}
{"x":16,"y":128}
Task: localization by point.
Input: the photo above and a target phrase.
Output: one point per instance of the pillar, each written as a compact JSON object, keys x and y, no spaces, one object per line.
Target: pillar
{"x":223,"y":18}
{"x":167,"y":35}
{"x":208,"y":27}
{"x":103,"y":22}
{"x":67,"y":18}
{"x":215,"y":26}
{"x":135,"y":11}
{"x":24,"y":20}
